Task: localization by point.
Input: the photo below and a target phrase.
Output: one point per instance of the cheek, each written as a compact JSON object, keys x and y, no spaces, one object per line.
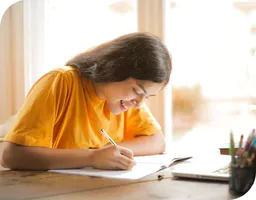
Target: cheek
{"x":127,"y":96}
{"x":111,"y":96}
{"x":120,"y":95}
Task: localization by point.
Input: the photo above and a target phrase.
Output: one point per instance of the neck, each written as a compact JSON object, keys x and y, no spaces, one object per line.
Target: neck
{"x":98,"y":88}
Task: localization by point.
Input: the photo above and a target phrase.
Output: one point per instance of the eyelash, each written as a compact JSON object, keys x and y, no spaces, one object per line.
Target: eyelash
{"x":135,"y":92}
{"x":147,"y":98}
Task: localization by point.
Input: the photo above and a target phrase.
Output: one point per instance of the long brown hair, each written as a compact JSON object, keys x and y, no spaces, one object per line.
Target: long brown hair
{"x":141,"y":56}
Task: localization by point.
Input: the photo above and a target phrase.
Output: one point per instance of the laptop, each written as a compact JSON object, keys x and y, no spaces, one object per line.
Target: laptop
{"x":210,"y":168}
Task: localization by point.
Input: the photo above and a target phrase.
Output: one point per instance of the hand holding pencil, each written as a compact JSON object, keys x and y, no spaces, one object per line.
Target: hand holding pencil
{"x":112,"y":157}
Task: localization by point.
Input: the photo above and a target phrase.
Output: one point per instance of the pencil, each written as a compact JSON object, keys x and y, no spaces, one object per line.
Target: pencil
{"x":231,"y":149}
{"x":108,"y":137}
{"x":239,"y":151}
{"x":231,"y":152}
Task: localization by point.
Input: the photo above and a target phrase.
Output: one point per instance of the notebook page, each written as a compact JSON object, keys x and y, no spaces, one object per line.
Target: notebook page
{"x":137,"y":172}
{"x":146,"y":165}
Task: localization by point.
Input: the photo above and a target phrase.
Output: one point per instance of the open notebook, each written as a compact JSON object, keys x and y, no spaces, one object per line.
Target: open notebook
{"x":146,"y":165}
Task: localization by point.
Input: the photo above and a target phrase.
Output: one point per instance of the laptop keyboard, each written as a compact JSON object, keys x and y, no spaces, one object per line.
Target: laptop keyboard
{"x":223,"y":170}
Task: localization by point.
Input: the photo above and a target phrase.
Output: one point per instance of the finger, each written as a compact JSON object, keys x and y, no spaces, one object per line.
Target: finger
{"x":120,"y":165}
{"x":127,"y":161}
{"x":124,"y":166}
{"x":126,"y":152}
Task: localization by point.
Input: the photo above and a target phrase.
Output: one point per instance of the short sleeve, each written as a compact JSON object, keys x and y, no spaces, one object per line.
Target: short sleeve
{"x":34,"y":123}
{"x":140,"y":122}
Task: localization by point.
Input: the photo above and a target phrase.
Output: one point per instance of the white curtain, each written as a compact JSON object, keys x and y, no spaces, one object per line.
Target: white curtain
{"x":11,"y":61}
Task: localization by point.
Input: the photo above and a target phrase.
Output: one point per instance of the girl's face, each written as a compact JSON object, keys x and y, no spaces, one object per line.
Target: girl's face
{"x":123,"y":95}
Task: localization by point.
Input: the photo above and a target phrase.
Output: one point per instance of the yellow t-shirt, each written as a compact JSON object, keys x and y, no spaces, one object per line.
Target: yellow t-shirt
{"x":63,"y":111}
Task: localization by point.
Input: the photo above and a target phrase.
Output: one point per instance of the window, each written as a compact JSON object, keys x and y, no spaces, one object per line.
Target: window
{"x":75,"y":26}
{"x":211,"y":43}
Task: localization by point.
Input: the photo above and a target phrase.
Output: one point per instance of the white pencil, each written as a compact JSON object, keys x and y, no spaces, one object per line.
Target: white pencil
{"x":107,"y":136}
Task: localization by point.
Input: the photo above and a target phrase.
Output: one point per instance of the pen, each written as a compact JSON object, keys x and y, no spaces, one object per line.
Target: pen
{"x":107,"y":136}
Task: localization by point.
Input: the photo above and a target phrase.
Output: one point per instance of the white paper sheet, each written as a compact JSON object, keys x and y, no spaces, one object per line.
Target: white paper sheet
{"x":146,"y":165}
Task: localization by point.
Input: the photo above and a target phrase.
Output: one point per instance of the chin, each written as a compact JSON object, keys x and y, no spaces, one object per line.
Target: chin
{"x":115,"y":111}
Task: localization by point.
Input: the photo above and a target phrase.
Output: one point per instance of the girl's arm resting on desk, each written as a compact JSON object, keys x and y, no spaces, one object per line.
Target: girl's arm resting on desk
{"x":40,"y":158}
{"x":146,"y":145}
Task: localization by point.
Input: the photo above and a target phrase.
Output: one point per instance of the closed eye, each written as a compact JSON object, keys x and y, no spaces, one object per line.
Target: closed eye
{"x":135,"y":92}
{"x":147,"y":97}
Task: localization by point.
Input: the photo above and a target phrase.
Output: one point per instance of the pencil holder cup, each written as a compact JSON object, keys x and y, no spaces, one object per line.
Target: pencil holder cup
{"x":241,"y":179}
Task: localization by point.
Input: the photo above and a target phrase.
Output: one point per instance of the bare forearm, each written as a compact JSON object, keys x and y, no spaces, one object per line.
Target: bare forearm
{"x":145,"y":145}
{"x":39,"y":158}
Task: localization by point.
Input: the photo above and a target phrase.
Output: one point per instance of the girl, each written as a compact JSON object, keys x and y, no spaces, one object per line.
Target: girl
{"x":105,"y":87}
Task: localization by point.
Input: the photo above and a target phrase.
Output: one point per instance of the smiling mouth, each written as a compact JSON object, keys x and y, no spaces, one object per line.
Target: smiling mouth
{"x":123,"y":107}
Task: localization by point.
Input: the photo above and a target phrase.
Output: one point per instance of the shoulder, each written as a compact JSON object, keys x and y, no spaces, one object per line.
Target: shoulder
{"x":66,"y":72}
{"x":57,"y":79}
{"x":67,"y":75}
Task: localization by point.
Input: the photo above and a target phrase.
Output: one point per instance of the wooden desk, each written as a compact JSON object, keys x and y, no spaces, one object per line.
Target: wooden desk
{"x":53,"y":186}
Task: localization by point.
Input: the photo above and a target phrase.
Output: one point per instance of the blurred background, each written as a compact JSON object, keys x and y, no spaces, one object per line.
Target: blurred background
{"x":212,"y":43}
